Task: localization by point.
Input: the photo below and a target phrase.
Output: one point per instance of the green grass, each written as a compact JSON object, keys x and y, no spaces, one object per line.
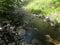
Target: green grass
{"x":47,"y":7}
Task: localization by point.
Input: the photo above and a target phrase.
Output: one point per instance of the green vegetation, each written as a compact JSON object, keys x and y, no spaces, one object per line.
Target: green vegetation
{"x":17,"y":15}
{"x":46,"y":6}
{"x":49,"y":8}
{"x":6,"y":5}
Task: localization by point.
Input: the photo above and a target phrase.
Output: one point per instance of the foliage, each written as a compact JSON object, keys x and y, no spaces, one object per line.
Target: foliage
{"x":6,"y":5}
{"x":11,"y":17}
{"x":45,"y":6}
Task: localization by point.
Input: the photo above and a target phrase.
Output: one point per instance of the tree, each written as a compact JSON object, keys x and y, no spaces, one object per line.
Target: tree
{"x":9,"y":20}
{"x":6,"y":5}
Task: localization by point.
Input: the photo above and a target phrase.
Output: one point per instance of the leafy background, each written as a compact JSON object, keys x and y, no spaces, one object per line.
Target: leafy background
{"x":11,"y":11}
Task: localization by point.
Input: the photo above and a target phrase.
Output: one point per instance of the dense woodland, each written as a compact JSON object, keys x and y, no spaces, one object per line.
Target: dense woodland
{"x":29,"y":22}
